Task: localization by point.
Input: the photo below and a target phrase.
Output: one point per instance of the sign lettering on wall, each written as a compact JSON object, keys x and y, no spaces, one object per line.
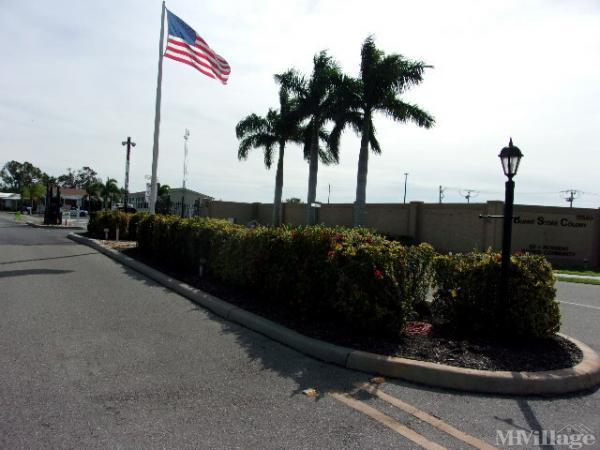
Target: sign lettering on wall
{"x":549,"y":250}
{"x":578,"y":222}
{"x":554,"y":235}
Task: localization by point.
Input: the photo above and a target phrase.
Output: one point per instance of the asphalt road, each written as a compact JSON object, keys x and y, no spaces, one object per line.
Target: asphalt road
{"x":93,"y":355}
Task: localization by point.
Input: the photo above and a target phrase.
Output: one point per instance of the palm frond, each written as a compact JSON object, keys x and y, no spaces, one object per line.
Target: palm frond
{"x":291,"y":81}
{"x":250,"y":124}
{"x":404,"y":112}
{"x":373,"y":142}
{"x":402,"y":73}
{"x":268,"y":154}
{"x":246,"y":144}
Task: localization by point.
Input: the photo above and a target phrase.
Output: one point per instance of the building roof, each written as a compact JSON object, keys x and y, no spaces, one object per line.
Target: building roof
{"x":177,"y":191}
{"x":9,"y":196}
{"x":73,"y":191}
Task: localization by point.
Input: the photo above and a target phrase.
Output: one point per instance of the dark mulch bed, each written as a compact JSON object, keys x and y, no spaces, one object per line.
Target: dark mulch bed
{"x":418,"y":342}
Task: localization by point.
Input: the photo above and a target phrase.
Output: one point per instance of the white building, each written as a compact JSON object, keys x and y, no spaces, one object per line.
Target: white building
{"x":10,"y":200}
{"x":176,"y":195}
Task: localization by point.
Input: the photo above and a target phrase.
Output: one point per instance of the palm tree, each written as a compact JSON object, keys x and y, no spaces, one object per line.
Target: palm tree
{"x":316,"y":100}
{"x":163,"y":190}
{"x":33,"y":192}
{"x":382,"y":79}
{"x":109,"y":190}
{"x":277,"y":128}
{"x":94,"y":194}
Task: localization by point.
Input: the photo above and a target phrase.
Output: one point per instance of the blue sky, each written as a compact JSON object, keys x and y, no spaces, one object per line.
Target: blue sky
{"x":79,"y":77}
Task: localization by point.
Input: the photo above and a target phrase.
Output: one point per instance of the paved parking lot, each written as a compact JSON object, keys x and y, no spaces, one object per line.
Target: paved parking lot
{"x":94,"y":355}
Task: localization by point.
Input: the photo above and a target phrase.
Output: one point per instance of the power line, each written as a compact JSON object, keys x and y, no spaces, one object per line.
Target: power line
{"x":570,"y":195}
{"x":468,"y":194}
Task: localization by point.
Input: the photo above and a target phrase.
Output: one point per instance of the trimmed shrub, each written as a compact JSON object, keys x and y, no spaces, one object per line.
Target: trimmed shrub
{"x":183,"y":243}
{"x":468,"y":296}
{"x":126,"y":222}
{"x":134,"y":220}
{"x":352,"y":276}
{"x":108,"y":219}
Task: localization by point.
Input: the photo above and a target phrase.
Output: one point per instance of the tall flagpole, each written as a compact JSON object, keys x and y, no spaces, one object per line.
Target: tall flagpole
{"x":154,"y":192}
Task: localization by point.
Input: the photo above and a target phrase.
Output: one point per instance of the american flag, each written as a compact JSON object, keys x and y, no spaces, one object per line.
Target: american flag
{"x":184,"y":45}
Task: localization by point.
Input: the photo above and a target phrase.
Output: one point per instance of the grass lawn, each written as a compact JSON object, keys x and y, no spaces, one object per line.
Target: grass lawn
{"x":592,"y":273}
{"x":578,"y":280}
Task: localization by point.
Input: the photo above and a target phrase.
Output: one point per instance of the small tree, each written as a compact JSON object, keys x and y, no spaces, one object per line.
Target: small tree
{"x":33,"y":193}
{"x":109,"y":191}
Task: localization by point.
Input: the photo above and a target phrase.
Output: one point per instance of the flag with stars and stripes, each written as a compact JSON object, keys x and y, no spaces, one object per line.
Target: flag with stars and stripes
{"x":184,"y":45}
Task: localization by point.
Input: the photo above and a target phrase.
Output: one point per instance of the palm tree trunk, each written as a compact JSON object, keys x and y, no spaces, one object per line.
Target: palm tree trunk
{"x":278,"y":186}
{"x":361,"y":176}
{"x":313,"y":168}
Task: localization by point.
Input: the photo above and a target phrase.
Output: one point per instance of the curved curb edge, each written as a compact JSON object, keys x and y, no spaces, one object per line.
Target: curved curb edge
{"x":583,"y":376}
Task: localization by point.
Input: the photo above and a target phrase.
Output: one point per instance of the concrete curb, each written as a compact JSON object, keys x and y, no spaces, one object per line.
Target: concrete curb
{"x":584,"y":376}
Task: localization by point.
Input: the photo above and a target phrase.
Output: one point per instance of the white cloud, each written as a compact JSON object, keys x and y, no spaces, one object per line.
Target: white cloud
{"x":79,"y":77}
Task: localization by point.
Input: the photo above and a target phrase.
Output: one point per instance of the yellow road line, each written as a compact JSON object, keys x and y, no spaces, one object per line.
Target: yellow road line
{"x":425,"y":417}
{"x":387,"y":421}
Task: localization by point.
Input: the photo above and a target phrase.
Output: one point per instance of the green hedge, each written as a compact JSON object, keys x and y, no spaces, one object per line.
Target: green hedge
{"x":468,"y":295}
{"x":126,"y":222}
{"x":353,"y":276}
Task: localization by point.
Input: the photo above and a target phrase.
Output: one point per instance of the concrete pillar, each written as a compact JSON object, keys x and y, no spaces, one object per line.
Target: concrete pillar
{"x":595,"y":262}
{"x":414,"y":220}
{"x":254,"y":211}
{"x":283,"y":212}
{"x":492,"y":228}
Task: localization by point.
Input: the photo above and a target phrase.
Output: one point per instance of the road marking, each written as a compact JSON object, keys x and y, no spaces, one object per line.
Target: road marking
{"x":583,"y":306}
{"x":387,"y":421}
{"x":425,"y":417}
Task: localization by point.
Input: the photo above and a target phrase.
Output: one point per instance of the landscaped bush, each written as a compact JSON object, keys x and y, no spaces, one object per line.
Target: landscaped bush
{"x":352,"y":276}
{"x":468,"y":296}
{"x":356,"y":278}
{"x":134,"y":220}
{"x":126,"y":222}
{"x":183,"y":243}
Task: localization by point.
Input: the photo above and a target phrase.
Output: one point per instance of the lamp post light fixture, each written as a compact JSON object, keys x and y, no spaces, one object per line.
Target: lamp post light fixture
{"x":510,"y":157}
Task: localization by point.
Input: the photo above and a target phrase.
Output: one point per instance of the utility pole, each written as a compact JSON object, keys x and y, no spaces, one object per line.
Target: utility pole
{"x":129,"y":143}
{"x":468,"y":194}
{"x":185,"y":155}
{"x":329,"y":193}
{"x":571,"y":194}
{"x":405,"y":180}
{"x":441,"y":194}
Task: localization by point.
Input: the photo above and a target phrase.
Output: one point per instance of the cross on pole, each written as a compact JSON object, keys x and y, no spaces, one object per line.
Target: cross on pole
{"x":129,"y":143}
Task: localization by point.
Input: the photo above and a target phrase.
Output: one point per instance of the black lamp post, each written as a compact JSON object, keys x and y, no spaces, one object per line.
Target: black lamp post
{"x":510,"y":157}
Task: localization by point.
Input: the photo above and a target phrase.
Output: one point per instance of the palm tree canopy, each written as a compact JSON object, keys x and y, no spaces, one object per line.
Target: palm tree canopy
{"x":110,"y":188}
{"x":314,"y":101}
{"x":314,"y":97}
{"x":94,"y":189}
{"x":383,"y":78}
{"x":256,"y":132}
{"x":163,"y":190}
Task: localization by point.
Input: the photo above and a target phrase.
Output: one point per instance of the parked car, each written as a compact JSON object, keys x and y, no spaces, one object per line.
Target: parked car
{"x":121,"y":207}
{"x":82,"y":212}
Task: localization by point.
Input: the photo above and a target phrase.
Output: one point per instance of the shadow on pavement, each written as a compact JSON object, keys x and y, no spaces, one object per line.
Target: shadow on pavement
{"x":306,"y":371}
{"x":45,"y":259}
{"x":19,"y":273}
